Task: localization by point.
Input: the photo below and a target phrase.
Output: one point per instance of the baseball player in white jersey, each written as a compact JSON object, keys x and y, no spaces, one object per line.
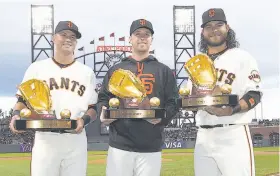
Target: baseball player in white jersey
{"x":223,"y":145}
{"x":72,"y":84}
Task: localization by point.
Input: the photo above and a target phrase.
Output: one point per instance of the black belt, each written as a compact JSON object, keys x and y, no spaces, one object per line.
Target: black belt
{"x":214,"y":126}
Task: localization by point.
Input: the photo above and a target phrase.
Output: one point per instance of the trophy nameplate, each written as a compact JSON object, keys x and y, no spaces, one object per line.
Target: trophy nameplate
{"x":201,"y":101}
{"x":203,"y":76}
{"x":45,"y":125}
{"x":131,"y":101}
{"x":38,"y":115}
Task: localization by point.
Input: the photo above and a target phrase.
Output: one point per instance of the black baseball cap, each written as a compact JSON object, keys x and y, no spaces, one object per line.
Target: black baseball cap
{"x":214,"y":14}
{"x":68,"y":25}
{"x":141,"y":23}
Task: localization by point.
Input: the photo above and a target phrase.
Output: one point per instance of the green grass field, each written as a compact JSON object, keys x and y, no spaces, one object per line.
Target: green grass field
{"x":176,"y":162}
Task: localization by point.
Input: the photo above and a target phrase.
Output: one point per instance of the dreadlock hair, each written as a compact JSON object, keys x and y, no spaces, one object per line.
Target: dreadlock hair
{"x":231,"y":41}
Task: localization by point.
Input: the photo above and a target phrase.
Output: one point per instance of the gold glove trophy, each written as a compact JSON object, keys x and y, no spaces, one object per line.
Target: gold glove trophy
{"x":39,"y":114}
{"x":131,"y":100}
{"x":203,"y":75}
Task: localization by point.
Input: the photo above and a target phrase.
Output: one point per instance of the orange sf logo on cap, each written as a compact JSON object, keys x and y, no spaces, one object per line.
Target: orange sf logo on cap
{"x":70,"y":24}
{"x":211,"y":13}
{"x":142,"y":22}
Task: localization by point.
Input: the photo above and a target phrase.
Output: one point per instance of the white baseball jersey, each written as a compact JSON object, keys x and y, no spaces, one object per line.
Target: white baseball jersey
{"x":71,"y":87}
{"x":239,"y":69}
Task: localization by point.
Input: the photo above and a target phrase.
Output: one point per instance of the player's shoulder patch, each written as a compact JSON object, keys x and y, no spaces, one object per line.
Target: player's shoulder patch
{"x":255,"y":76}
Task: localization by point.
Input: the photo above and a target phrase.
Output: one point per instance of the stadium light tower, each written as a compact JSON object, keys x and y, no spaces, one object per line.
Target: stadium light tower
{"x":184,"y":39}
{"x":42,"y":29}
{"x":184,"y":45}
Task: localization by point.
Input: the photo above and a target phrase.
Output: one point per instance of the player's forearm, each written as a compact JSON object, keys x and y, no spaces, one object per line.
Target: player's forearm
{"x":171,"y":111}
{"x":104,"y":95}
{"x":247,"y":102}
{"x":243,"y":105}
{"x":171,"y":95}
{"x":89,"y":116}
{"x":19,"y":106}
{"x":103,"y":100}
{"x":92,"y":113}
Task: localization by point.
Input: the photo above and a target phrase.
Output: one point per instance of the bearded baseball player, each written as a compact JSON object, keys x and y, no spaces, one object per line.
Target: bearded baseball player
{"x":223,"y":145}
{"x":135,"y":144}
{"x":59,"y":153}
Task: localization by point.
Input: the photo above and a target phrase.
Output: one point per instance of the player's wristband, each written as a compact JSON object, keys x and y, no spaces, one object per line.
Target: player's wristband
{"x":16,"y":112}
{"x":236,"y":109}
{"x":86,"y":119}
{"x":21,"y":100}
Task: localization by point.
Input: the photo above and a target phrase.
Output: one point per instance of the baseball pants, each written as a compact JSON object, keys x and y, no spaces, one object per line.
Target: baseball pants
{"x":126,"y":163}
{"x":55,"y":154}
{"x":224,"y":151}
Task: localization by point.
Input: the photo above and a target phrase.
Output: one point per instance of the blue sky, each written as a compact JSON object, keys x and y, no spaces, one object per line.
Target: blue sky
{"x":255,"y":27}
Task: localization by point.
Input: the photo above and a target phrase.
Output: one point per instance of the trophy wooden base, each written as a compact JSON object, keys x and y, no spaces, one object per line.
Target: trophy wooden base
{"x":197,"y":102}
{"x":46,"y":124}
{"x":134,"y":113}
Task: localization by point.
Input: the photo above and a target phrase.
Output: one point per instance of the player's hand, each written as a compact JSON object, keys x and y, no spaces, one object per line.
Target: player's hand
{"x":102,"y":118}
{"x":12,"y":124}
{"x":219,"y":111}
{"x":80,"y":125}
{"x":154,"y":121}
{"x":217,"y":90}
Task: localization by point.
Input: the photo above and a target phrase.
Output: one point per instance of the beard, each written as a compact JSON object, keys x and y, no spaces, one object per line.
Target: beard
{"x":218,"y":42}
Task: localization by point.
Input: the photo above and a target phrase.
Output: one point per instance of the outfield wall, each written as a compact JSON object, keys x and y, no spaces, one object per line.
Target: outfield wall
{"x":99,"y":146}
{"x":9,"y":148}
{"x":166,"y":145}
{"x":16,"y":148}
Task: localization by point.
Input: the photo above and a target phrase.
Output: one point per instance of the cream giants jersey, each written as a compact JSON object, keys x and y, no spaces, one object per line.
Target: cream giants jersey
{"x":239,"y":69}
{"x":71,"y":88}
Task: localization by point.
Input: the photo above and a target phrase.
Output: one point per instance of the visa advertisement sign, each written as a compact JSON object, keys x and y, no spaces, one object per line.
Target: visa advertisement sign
{"x":174,"y":144}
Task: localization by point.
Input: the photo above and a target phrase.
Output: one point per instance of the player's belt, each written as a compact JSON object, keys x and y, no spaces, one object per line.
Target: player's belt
{"x":214,"y":126}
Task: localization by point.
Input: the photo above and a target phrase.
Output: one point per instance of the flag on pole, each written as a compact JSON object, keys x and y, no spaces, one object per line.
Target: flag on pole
{"x":101,"y":38}
{"x":122,"y":39}
{"x":113,"y":35}
{"x":92,"y":43}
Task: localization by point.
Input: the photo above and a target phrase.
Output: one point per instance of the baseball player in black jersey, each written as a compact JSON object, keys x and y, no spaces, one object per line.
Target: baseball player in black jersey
{"x":135,"y":144}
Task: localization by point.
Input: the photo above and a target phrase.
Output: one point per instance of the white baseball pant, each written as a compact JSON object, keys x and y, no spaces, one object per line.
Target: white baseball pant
{"x":55,"y":154}
{"x":224,"y":151}
{"x":126,"y":163}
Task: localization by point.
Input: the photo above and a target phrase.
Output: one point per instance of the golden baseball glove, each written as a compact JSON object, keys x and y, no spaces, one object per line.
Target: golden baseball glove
{"x":36,"y":93}
{"x":125,"y":84}
{"x":202,"y":72}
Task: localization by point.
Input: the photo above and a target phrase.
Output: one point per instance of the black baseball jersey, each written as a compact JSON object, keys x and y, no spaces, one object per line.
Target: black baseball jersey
{"x":138,"y":135}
